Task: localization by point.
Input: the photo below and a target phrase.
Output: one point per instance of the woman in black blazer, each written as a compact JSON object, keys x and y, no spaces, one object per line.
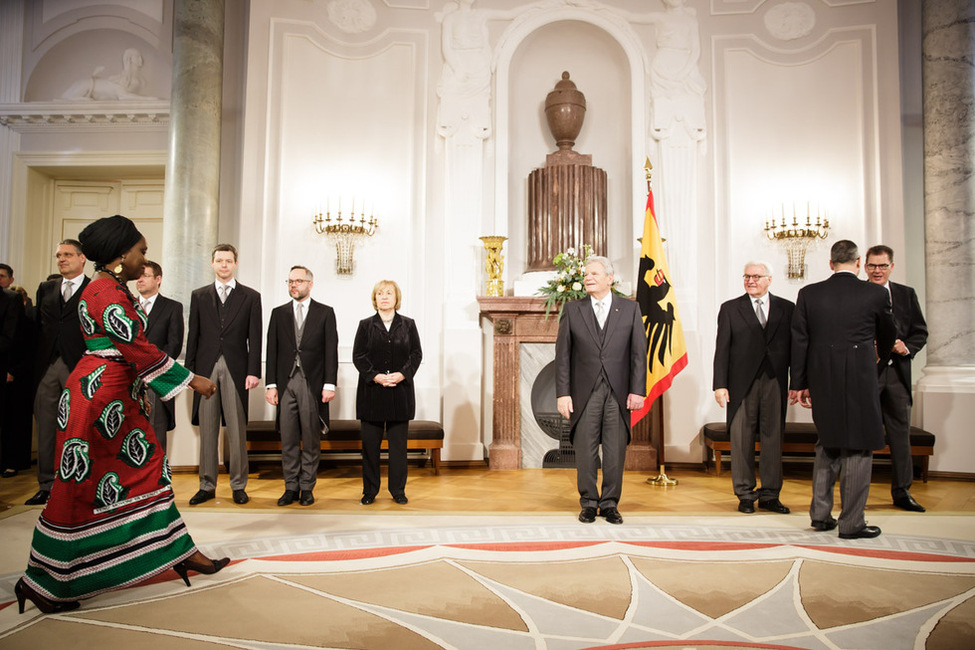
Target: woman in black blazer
{"x":386,"y":353}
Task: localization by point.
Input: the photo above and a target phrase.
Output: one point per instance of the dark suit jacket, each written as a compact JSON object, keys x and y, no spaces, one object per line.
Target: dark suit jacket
{"x":60,"y":328}
{"x":319,"y":350}
{"x":742,"y":346}
{"x":238,"y":340}
{"x":376,"y":351}
{"x":911,"y":329}
{"x":839,"y":328}
{"x":581,"y":356}
{"x":164,"y":329}
{"x":11,"y":331}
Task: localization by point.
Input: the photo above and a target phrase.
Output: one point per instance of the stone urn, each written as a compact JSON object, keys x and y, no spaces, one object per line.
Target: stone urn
{"x":565,"y":109}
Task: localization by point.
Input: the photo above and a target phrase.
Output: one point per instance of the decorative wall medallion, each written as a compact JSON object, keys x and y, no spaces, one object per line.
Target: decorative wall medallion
{"x":352,"y":16}
{"x":790,"y":20}
{"x":504,"y":326}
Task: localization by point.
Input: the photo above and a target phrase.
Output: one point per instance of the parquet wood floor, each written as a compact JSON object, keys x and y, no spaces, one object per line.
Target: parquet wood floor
{"x":543,"y":491}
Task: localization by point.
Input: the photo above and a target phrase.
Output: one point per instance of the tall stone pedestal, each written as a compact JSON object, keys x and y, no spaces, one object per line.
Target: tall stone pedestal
{"x":566,"y":208}
{"x":567,"y":197}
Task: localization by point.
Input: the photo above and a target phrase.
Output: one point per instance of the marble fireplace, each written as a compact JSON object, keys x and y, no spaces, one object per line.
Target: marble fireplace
{"x":524,"y":391}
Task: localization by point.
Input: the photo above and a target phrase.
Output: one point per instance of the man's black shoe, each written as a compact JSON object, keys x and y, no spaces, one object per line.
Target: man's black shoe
{"x":240,"y":497}
{"x":367,"y":499}
{"x":287,"y":498}
{"x":38,"y":499}
{"x":908,"y":503}
{"x":823,"y":526}
{"x":307,"y":498}
{"x":588,"y":515}
{"x":201,"y":496}
{"x":867,"y":532}
{"x":773,"y":505}
{"x":612,"y":515}
{"x":746,"y":506}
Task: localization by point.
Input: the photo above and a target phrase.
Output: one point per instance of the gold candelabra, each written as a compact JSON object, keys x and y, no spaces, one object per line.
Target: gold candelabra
{"x":797,"y":237}
{"x":345,"y":233}
{"x":494,"y":264}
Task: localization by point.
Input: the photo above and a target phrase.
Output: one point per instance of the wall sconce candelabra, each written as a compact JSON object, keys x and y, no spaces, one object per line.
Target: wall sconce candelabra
{"x":797,"y":237}
{"x":345,"y":233}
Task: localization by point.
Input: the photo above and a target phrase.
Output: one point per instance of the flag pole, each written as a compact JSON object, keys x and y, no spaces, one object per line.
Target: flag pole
{"x":661,"y":479}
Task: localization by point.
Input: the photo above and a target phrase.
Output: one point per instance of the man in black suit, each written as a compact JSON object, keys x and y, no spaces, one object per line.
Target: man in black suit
{"x":751,"y":377}
{"x":840,"y":328}
{"x":224,"y":344}
{"x":303,"y":355}
{"x":164,"y":329}
{"x":60,"y":347}
{"x":895,"y":378}
{"x":12,"y":332}
{"x":601,"y":375}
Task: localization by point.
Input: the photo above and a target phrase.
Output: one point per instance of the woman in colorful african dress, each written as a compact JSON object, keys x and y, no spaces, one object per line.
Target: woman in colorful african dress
{"x":111,"y":521}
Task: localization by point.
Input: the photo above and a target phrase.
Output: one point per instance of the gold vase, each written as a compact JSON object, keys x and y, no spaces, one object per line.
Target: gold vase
{"x":494,"y":264}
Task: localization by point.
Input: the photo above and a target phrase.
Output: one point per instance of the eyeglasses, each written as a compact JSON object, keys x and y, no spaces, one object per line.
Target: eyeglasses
{"x":291,"y":282}
{"x":753,"y":278}
{"x":877,"y":267}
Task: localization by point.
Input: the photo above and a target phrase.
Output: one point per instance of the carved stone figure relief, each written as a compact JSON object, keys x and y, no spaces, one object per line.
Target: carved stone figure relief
{"x":352,"y":16}
{"x":465,"y":84}
{"x":129,"y":84}
{"x":676,"y":84}
{"x":790,"y":20}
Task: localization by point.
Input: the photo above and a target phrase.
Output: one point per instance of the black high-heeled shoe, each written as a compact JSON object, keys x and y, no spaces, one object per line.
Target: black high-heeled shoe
{"x":187,"y":565}
{"x":25,"y":592}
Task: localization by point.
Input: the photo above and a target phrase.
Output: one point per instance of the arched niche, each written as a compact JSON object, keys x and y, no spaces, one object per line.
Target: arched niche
{"x":606,"y":61}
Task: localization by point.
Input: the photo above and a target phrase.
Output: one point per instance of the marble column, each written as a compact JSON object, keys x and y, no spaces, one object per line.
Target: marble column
{"x":11,"y":62}
{"x":193,"y":166}
{"x":948,"y":385}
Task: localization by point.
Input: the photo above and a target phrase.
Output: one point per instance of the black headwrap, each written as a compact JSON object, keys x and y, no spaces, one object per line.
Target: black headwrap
{"x":106,"y":239}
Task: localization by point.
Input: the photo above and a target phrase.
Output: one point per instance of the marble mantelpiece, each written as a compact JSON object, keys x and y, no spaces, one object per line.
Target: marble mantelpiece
{"x":518,"y":320}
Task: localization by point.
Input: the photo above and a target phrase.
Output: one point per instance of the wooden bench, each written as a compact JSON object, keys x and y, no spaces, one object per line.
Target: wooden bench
{"x":344,"y":435}
{"x":800,"y":438}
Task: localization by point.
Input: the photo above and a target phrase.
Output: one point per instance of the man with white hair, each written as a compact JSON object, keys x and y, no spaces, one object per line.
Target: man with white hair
{"x":601,"y":375}
{"x":751,"y":379}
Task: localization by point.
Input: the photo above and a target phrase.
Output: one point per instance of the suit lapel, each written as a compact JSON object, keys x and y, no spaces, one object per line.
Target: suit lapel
{"x":234,"y":303}
{"x":612,"y":320}
{"x":214,"y":301}
{"x":289,"y":324}
{"x":747,"y":310}
{"x":589,"y":318}
{"x":773,"y":319}
{"x":901,"y":308}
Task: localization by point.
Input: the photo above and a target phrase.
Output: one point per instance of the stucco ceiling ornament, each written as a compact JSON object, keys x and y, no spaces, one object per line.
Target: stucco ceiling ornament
{"x":352,"y":16}
{"x":790,"y":20}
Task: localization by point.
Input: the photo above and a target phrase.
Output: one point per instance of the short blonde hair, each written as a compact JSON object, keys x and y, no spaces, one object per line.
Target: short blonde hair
{"x":382,"y":284}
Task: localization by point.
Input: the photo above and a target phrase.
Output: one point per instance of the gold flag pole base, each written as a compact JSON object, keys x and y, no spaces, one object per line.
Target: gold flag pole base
{"x":662,"y":479}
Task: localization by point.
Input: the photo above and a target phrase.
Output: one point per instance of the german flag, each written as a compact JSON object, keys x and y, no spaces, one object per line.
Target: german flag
{"x":667,"y":353}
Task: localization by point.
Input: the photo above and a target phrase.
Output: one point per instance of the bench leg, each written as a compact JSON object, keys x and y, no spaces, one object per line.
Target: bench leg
{"x":924,"y":469}
{"x":717,"y":462}
{"x":435,"y":457}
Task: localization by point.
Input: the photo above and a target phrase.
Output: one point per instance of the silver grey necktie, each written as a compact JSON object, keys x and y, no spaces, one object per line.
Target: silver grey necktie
{"x":145,"y":307}
{"x":66,"y":290}
{"x":760,"y":313}
{"x":224,"y":292}
{"x":600,"y":316}
{"x":300,"y":315}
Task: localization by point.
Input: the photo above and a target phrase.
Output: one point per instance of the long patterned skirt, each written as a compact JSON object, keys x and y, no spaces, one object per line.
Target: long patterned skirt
{"x":111,"y":520}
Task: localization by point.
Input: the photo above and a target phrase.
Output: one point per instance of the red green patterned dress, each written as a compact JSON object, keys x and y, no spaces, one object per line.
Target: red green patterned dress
{"x":111,"y":521}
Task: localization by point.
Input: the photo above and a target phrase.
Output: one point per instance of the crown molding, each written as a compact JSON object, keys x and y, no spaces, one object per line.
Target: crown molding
{"x":33,"y":117}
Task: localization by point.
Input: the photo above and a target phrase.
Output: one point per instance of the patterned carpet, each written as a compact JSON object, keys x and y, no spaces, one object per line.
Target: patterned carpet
{"x":546,"y":582}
